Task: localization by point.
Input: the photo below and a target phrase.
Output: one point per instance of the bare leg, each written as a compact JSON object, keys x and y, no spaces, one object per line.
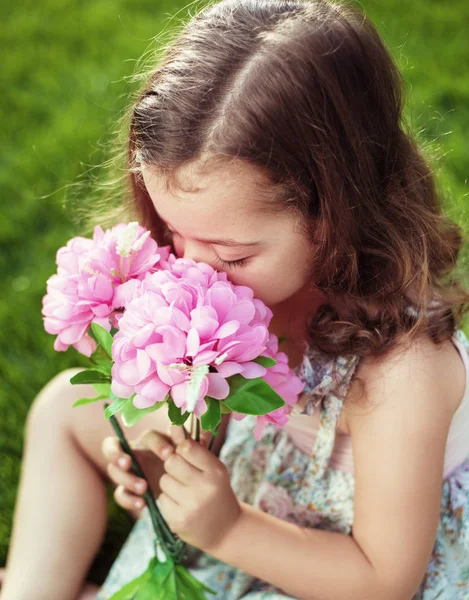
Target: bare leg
{"x":61,"y":508}
{"x":88,"y":591}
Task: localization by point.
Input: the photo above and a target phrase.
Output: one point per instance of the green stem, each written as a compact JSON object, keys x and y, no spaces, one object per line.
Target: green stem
{"x":197,"y":430}
{"x":211,"y":442}
{"x":172,"y":544}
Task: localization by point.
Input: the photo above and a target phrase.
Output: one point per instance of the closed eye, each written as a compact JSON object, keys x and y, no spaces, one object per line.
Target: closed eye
{"x":225,"y":264}
{"x":230,"y":264}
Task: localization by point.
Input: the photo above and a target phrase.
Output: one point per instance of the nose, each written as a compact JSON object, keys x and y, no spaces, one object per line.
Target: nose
{"x":195,"y":252}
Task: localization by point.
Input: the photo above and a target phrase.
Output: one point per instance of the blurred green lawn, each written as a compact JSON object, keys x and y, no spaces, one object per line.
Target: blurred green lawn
{"x":63,"y":87}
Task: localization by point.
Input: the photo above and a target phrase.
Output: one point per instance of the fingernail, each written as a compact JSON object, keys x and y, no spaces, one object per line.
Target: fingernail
{"x":165,"y":452}
{"x":140,"y":486}
{"x":122,"y":461}
{"x":185,"y":446}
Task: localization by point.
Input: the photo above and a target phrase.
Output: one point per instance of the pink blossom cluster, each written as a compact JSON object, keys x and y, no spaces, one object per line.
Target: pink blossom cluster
{"x":182,"y":328}
{"x":89,"y":276}
{"x":185,"y":332}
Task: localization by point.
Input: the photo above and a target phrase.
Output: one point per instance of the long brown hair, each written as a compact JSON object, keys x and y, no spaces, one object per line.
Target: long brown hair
{"x":308,"y":93}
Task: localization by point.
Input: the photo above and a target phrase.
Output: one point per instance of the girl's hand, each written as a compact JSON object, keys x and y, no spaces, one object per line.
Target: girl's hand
{"x":197,"y":499}
{"x":149,"y":449}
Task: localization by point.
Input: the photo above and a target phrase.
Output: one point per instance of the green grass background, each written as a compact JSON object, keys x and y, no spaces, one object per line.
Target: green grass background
{"x":65,"y":65}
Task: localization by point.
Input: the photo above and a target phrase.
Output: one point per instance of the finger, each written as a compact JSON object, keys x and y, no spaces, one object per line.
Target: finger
{"x":173,"y":489}
{"x":183,"y":471}
{"x":197,"y":455}
{"x":177,"y":434}
{"x":169,"y":508}
{"x":126,"y":479}
{"x":127,"y":500}
{"x":205,"y":438}
{"x":112,"y":450}
{"x":158,"y":443}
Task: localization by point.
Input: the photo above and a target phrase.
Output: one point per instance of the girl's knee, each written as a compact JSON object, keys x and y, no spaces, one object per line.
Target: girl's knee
{"x":53,"y":412}
{"x":54,"y":399}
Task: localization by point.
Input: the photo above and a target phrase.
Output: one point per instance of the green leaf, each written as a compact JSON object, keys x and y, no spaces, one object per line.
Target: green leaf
{"x":192,"y":583}
{"x":174,"y":413}
{"x":252,"y":396}
{"x":101,"y":361}
{"x":89,"y":376}
{"x":265,"y":361}
{"x":92,"y":335}
{"x":116,"y":406}
{"x":212,"y":416}
{"x":130,"y":589}
{"x":103,"y":337}
{"x":104,"y":369}
{"x":132,"y":415}
{"x":163,"y":581}
{"x":83,"y":401}
{"x":224,"y":409}
{"x":103,"y":389}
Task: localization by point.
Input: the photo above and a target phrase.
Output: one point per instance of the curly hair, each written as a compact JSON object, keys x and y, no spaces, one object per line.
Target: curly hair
{"x":306,"y":92}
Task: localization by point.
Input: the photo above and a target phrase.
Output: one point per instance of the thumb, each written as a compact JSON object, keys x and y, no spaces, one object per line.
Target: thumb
{"x":176,"y":433}
{"x":154,"y":441}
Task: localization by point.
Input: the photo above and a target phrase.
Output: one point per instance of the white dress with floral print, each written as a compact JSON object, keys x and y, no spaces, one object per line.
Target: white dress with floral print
{"x":279,"y":478}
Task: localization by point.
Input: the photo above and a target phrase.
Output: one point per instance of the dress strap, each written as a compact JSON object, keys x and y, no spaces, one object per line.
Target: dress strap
{"x":331,"y":393}
{"x":461,"y":337}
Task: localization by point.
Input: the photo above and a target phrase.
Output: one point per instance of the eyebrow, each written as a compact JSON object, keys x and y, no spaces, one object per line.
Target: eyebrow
{"x":229,"y":242}
{"x":225,"y":242}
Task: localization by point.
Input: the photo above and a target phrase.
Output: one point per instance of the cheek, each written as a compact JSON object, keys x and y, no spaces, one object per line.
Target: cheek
{"x":273,"y":283}
{"x":279,"y":289}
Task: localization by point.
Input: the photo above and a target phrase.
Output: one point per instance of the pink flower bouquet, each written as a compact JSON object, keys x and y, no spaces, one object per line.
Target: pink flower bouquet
{"x":161,"y":330}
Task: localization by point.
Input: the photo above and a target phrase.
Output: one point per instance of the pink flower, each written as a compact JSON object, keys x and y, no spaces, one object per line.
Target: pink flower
{"x":284,"y":381}
{"x":185,"y":331}
{"x":89,"y":276}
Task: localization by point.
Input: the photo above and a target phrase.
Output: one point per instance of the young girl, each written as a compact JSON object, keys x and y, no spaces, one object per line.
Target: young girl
{"x":269,"y":143}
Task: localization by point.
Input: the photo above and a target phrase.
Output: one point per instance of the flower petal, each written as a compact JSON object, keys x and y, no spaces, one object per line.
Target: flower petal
{"x":243,"y":311}
{"x":217,"y":386}
{"x":154,"y":390}
{"x":192,"y":343}
{"x":251,"y":370}
{"x":121,"y":390}
{"x":179,"y":395}
{"x":226,"y":329}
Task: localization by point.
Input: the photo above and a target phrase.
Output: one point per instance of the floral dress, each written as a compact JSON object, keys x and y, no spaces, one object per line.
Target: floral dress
{"x":277,"y":477}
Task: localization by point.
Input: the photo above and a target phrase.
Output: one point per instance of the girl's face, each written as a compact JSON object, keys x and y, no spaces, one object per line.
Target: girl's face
{"x":220,"y":223}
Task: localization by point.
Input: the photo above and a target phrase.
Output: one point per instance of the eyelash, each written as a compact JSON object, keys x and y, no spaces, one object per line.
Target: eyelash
{"x":226,"y":264}
{"x":231,"y":264}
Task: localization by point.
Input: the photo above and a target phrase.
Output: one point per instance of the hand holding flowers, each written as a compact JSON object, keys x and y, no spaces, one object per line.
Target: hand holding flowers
{"x":197,"y":500}
{"x":148,"y":449}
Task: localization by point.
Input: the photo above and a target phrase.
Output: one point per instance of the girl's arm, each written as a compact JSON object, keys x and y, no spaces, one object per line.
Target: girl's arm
{"x":398,"y":441}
